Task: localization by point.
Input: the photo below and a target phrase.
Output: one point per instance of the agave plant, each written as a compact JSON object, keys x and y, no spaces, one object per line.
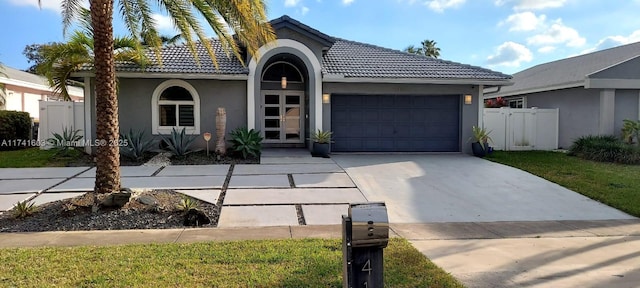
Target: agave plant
{"x":24,"y":209}
{"x":480,"y":135}
{"x":179,"y":143}
{"x":66,"y":142}
{"x":135,"y":145}
{"x":247,"y":142}
{"x":187,"y":203}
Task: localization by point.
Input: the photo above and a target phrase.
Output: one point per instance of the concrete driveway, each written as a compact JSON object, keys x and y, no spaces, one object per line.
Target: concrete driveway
{"x":461,"y":188}
{"x":491,"y":225}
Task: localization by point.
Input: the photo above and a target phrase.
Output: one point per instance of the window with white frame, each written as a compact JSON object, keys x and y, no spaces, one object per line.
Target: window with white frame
{"x":517,"y":103}
{"x":175,"y":104}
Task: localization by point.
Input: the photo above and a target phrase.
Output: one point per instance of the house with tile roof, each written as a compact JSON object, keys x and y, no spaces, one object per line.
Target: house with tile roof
{"x":23,"y":91}
{"x":594,"y":92}
{"x":374,"y":99}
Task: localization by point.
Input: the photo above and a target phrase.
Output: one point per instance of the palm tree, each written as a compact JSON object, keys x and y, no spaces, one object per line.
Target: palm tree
{"x":247,"y":18}
{"x":59,"y":60}
{"x":413,"y":50}
{"x":428,"y":49}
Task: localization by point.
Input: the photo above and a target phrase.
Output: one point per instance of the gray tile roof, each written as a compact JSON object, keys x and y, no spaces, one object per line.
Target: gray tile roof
{"x":178,"y":59}
{"x":570,"y":71}
{"x":360,"y":60}
{"x":344,"y":58}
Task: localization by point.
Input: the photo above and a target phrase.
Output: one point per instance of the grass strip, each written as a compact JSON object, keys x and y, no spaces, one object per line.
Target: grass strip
{"x":616,"y":185}
{"x":265,"y":263}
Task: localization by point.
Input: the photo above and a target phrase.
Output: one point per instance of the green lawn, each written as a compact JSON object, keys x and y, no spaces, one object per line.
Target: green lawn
{"x":613,"y":184}
{"x":269,"y":263}
{"x":33,"y":157}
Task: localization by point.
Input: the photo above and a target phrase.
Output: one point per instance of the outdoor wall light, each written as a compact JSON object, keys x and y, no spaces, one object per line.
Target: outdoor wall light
{"x":326,"y":98}
{"x":283,"y":82}
{"x":468,"y":99}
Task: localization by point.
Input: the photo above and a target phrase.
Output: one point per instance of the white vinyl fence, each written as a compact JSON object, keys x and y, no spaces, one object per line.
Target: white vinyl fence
{"x":522,"y":129}
{"x":55,"y":116}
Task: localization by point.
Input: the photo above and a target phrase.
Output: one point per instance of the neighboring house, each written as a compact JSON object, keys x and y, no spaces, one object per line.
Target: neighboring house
{"x":372,"y":98}
{"x":594,"y":92}
{"x":23,"y":91}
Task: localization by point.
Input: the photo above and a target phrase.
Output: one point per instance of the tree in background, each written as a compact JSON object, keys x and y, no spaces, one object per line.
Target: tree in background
{"x":247,"y":18}
{"x":428,"y":49}
{"x":33,"y":52}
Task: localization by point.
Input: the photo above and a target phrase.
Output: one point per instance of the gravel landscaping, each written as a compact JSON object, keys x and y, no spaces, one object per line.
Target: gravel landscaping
{"x":73,"y":215}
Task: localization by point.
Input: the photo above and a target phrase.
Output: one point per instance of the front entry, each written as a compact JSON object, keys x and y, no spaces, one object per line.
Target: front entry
{"x":281,"y":116}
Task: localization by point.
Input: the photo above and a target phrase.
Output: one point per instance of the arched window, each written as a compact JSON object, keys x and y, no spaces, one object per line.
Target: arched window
{"x":277,"y":70}
{"x":175,"y":104}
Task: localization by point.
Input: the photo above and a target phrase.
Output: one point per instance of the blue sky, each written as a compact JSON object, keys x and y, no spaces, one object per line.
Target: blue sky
{"x":504,"y":35}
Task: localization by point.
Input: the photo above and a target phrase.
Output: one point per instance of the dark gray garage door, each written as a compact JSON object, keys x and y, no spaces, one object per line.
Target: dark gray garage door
{"x":395,"y":123}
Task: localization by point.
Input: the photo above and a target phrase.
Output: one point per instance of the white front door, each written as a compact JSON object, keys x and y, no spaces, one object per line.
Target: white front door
{"x":281,"y":116}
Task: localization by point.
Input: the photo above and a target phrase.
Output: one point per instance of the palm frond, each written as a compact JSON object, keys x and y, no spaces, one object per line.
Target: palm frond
{"x":71,"y":11}
{"x":148,"y":30}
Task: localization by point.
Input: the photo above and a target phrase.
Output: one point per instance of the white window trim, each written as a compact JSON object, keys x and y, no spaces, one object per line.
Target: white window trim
{"x":155,"y":107}
{"x":523,"y":99}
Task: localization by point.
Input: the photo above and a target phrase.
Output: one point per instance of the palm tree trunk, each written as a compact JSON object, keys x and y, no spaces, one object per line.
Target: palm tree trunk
{"x":221,"y":127}
{"x":107,"y":126}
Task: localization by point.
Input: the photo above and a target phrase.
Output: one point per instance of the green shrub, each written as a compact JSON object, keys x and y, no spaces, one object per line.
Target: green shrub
{"x":136,"y":145}
{"x":179,"y":143}
{"x":14,"y":126}
{"x":247,"y":142}
{"x":605,"y":149}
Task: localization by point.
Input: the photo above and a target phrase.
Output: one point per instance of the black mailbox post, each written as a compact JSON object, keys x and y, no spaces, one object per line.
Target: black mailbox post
{"x":365,"y":232}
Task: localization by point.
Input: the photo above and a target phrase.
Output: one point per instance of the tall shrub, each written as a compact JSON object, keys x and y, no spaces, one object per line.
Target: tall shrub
{"x":15,"y":128}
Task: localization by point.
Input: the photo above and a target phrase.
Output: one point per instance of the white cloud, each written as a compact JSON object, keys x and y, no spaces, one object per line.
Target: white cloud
{"x":525,"y":21}
{"x":304,"y":10}
{"x":532,"y":4}
{"x":163,"y":23}
{"x":510,"y":54}
{"x":546,"y":49}
{"x":347,"y":2}
{"x":613,"y":41}
{"x":440,"y":5}
{"x":557,"y":33}
{"x":291,"y":3}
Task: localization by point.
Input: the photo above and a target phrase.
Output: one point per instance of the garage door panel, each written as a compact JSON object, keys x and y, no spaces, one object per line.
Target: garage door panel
{"x":402,"y":115}
{"x":384,"y":130}
{"x":385,"y":101}
{"x":409,"y":123}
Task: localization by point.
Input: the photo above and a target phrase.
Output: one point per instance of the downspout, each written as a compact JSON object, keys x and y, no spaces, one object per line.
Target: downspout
{"x":88,"y":129}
